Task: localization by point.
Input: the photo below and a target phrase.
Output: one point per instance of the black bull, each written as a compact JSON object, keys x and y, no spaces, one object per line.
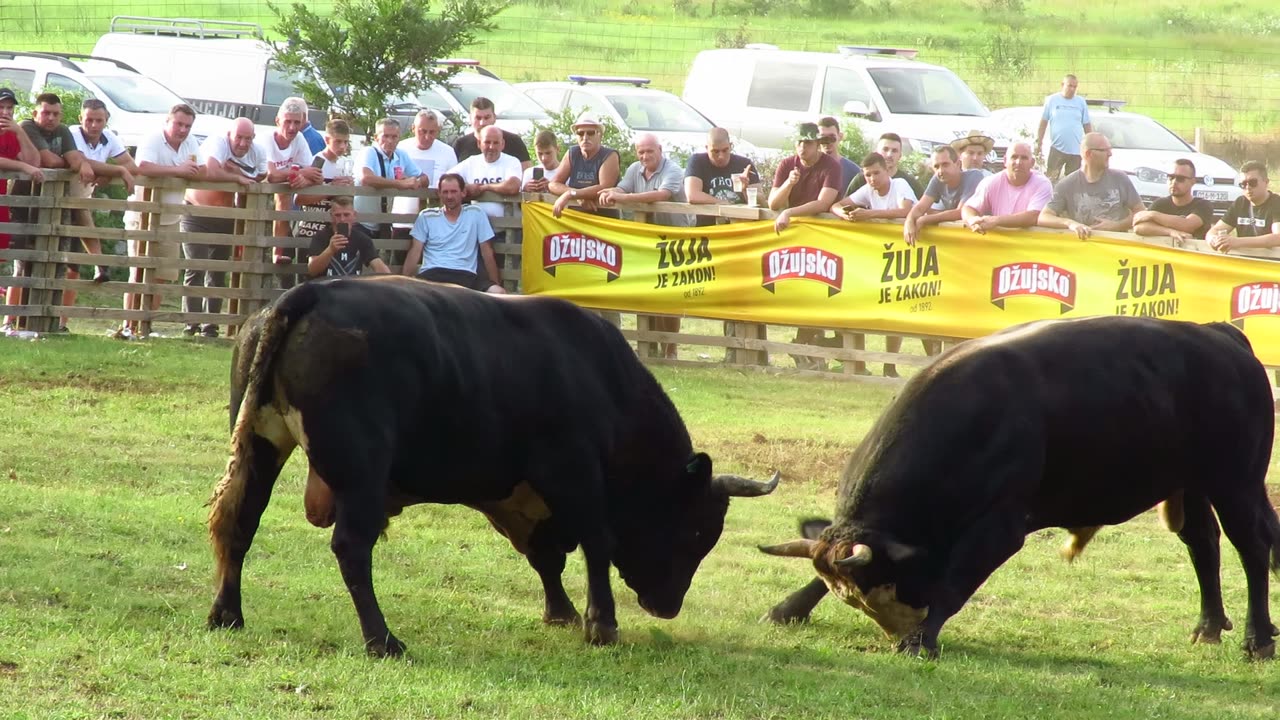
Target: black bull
{"x":1072,"y":424}
{"x":531,"y":410}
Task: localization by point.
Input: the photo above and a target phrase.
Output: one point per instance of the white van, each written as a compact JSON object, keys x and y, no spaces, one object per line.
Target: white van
{"x":760,"y":93}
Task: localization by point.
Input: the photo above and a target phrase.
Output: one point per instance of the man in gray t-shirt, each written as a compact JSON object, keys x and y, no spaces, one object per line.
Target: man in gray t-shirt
{"x":949,"y":188}
{"x":1094,"y":197}
{"x":652,"y":178}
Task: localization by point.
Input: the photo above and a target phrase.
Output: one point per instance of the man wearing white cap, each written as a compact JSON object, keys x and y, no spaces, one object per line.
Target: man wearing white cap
{"x":586,"y":169}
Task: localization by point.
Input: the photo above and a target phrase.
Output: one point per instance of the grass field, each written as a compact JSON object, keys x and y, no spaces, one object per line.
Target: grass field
{"x":110,"y":451}
{"x":1210,"y":65}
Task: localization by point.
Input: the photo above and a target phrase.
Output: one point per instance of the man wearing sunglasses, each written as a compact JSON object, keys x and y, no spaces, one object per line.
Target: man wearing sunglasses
{"x":586,"y":169}
{"x":1254,"y":216}
{"x":1095,"y":197}
{"x":1181,"y":214}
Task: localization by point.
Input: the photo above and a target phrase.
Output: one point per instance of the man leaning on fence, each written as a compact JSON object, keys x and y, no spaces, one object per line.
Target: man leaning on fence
{"x":385,"y":166}
{"x":168,"y":153}
{"x":289,"y":160}
{"x":1179,"y":215}
{"x":1095,"y":197}
{"x":17,"y":154}
{"x":889,"y":147}
{"x":1254,"y":216}
{"x":433,"y":157}
{"x":343,"y":247}
{"x":335,"y":168}
{"x":229,"y":158}
{"x":588,"y":168}
{"x":718,"y":176}
{"x":106,"y":157}
{"x":1012,"y":198}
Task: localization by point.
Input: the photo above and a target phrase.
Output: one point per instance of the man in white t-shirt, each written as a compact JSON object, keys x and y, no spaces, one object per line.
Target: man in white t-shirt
{"x":490,"y":171}
{"x":336,"y":169}
{"x":882,"y":197}
{"x":99,"y":145}
{"x":289,"y":160}
{"x":430,"y":154}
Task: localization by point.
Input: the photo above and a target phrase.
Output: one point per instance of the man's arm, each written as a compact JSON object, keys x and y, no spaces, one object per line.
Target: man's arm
{"x":826,"y":197}
{"x":1150,"y":222}
{"x":694,"y":195}
{"x":188,"y":169}
{"x":490,"y":262}
{"x":1044,"y":125}
{"x":215,"y":171}
{"x":379,"y":266}
{"x":780,"y":195}
{"x":412,"y":258}
{"x":1049,"y":218}
{"x":1124,"y":224}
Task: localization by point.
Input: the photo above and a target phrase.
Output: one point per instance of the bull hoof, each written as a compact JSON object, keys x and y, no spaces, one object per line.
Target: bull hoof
{"x":779,"y":615}
{"x":1254,"y":651}
{"x":915,"y":645}
{"x":600,"y":634}
{"x":390,"y":646}
{"x":1209,"y":630}
{"x":562,"y":619}
{"x":220,"y":617}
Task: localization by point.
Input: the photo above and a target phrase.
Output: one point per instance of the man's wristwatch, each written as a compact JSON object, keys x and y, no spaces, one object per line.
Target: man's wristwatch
{"x":573,"y":193}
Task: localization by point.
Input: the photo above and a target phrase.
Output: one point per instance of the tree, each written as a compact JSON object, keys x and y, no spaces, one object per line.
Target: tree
{"x":369,"y":54}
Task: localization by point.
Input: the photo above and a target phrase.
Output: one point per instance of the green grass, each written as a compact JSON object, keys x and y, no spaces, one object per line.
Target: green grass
{"x":111,"y":449}
{"x":1207,"y":65}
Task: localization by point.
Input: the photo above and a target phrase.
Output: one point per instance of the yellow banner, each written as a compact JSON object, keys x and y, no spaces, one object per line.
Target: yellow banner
{"x":828,"y":273}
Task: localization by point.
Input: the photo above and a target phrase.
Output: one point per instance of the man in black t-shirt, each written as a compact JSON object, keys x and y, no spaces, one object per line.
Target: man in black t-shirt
{"x":712,"y":176}
{"x":343,"y":247}
{"x":1254,"y":216}
{"x":482,"y":116}
{"x":1180,"y":215}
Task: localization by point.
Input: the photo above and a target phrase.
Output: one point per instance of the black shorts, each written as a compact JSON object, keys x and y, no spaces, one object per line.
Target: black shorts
{"x":1060,"y":160}
{"x":457,"y":277}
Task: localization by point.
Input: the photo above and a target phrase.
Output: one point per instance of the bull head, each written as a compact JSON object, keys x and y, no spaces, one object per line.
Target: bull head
{"x":737,"y":486}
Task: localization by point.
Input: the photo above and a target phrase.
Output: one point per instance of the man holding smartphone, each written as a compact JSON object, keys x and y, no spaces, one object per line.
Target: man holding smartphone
{"x":344,"y":247}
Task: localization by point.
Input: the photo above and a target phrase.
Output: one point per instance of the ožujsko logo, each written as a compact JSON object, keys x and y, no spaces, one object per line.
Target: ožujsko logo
{"x":1250,"y":299}
{"x":802,"y":263}
{"x":571,"y":248}
{"x":1034,"y":279}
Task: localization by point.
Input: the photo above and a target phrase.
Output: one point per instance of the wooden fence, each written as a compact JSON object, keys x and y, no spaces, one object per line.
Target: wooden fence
{"x":252,"y":276}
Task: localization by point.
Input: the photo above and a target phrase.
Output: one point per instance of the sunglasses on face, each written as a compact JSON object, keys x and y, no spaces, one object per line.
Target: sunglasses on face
{"x":1247,"y":183}
{"x":587,"y":133}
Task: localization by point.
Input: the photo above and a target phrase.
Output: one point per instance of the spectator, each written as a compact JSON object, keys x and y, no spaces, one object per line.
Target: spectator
{"x":948,"y":190}
{"x":586,"y":169}
{"x":1254,"y":216}
{"x":343,"y":247}
{"x":335,"y":168}
{"x":229,"y":158}
{"x":881,"y":198}
{"x":97,"y":145}
{"x":315,"y":141}
{"x":491,"y":171}
{"x":17,"y":154}
{"x":1094,"y":197}
{"x":1011,"y":199}
{"x":446,"y":241}
{"x":384,"y":166}
{"x":829,"y":127}
{"x":888,"y":147}
{"x":289,"y":160}
{"x":806,"y":183}
{"x":1066,"y":116}
{"x":432,"y":158}
{"x":718,"y":176}
{"x":974,"y":149}
{"x":482,"y":116}
{"x":537,"y":178}
{"x":170,"y":153}
{"x":1180,"y":215}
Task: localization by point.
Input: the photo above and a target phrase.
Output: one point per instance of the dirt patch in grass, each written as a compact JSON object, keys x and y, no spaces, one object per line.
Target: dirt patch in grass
{"x":800,"y":460}
{"x":92,"y":383}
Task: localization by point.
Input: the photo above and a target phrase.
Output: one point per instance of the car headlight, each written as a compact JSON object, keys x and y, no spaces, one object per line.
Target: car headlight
{"x":1151,"y":175}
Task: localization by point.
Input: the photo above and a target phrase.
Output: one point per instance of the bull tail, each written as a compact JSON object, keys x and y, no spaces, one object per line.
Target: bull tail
{"x":229,"y":494}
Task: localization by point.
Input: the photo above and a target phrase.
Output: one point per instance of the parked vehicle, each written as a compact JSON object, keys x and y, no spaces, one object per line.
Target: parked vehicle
{"x":631,"y":104}
{"x":138,"y":104}
{"x":1140,"y":147}
{"x":516,"y":112}
{"x":760,"y":93}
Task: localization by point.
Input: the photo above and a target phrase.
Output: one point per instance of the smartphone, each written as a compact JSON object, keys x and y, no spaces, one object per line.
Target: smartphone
{"x":343,"y":229}
{"x":538,"y":173}
{"x":318,"y":163}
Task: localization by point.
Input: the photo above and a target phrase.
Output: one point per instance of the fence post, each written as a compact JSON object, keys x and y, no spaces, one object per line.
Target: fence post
{"x":48,"y":215}
{"x":255,"y":226}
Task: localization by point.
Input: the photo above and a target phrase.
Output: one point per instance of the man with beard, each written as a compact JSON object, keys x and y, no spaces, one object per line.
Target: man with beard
{"x":718,"y":176}
{"x":1180,"y":215}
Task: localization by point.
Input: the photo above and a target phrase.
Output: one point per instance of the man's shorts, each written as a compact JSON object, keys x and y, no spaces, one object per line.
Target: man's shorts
{"x":22,"y":268}
{"x":1060,"y":160}
{"x":162,"y":250}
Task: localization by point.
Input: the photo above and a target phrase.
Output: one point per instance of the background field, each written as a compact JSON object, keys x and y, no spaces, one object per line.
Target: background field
{"x":1212,"y":65}
{"x":111,"y":449}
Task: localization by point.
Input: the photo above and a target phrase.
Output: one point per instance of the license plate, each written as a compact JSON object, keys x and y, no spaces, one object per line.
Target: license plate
{"x":1211,"y":195}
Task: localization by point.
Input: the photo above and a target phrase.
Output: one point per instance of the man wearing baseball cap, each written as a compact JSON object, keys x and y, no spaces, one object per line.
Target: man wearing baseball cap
{"x":807,"y":183}
{"x":973,"y":149}
{"x":586,"y":169}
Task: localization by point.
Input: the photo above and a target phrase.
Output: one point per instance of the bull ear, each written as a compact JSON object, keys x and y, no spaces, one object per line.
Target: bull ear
{"x":699,"y":468}
{"x":811,"y":528}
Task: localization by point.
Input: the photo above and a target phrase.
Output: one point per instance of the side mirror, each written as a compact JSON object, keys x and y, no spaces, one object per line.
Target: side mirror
{"x":857,"y":108}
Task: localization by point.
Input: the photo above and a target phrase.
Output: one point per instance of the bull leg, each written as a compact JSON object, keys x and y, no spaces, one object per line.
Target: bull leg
{"x":360,"y":519}
{"x":991,"y":541}
{"x":798,"y":605}
{"x":601,"y":627}
{"x":547,"y":559}
{"x":1249,"y":531}
{"x":1201,"y":535}
{"x":231,"y":545}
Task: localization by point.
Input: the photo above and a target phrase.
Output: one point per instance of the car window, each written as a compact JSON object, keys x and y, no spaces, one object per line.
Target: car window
{"x":17,"y":78}
{"x":280,"y":85}
{"x":434,"y":99}
{"x":581,"y":101}
{"x":782,"y":85}
{"x":926,"y":91}
{"x":508,"y":102}
{"x":547,"y":97}
{"x":658,"y":112}
{"x":839,"y":87}
{"x":137,"y":93}
{"x":1137,"y":133}
{"x":62,"y":82}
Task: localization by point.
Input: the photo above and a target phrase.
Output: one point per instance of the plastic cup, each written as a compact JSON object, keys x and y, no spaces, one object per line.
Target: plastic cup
{"x":753,"y":196}
{"x":738,"y":184}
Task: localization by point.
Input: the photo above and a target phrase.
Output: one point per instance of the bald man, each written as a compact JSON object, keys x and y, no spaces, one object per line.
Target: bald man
{"x":718,"y":176}
{"x":230,"y":158}
{"x":491,"y":171}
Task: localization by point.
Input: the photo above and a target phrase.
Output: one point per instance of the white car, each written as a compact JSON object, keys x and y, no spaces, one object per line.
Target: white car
{"x":138,"y":105}
{"x":516,"y":112}
{"x":1140,"y":147}
{"x":632,"y":105}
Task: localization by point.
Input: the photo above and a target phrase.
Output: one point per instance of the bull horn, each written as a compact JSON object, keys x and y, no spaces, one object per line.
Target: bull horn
{"x":859,"y":555}
{"x":735,"y":486}
{"x":793,"y":548}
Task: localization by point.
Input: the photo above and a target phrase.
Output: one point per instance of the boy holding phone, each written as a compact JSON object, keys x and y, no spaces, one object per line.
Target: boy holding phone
{"x":343,"y":247}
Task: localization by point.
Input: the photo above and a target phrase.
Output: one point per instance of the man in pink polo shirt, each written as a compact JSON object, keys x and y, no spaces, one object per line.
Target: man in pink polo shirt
{"x":1011,"y":199}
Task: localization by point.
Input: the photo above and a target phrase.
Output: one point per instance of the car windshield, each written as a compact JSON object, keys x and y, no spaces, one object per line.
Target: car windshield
{"x":508,"y":102}
{"x":926,"y":91}
{"x":137,"y":93}
{"x":661,"y":113}
{"x":1137,"y":133}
